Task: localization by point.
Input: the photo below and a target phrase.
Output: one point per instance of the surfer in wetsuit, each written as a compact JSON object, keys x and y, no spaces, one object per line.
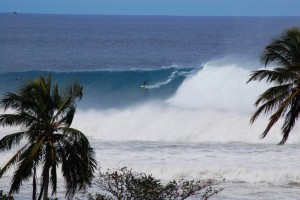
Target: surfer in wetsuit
{"x":144,"y":84}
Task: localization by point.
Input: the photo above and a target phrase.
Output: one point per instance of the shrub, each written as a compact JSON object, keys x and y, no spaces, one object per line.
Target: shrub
{"x":125,"y":184}
{"x":4,"y":196}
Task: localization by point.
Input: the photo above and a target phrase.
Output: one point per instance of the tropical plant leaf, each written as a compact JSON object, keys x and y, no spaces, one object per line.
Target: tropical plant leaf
{"x":12,"y":161}
{"x":8,"y":141}
{"x":25,"y":167}
{"x":283,"y":98}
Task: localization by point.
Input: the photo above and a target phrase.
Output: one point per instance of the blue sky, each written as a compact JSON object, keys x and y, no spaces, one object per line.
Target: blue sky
{"x":156,"y":7}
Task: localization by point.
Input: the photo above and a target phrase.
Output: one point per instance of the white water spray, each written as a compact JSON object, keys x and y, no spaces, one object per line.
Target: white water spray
{"x":214,"y":105}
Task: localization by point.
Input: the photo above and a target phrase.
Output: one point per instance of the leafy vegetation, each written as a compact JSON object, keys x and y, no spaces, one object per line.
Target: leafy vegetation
{"x":5,"y":196}
{"x":283,"y":98}
{"x":126,"y":184}
{"x":45,"y":113}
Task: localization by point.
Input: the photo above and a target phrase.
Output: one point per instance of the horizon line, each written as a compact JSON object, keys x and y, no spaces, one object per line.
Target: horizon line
{"x":154,"y":15}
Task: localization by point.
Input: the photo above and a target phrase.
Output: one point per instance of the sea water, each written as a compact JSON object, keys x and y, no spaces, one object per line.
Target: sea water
{"x":191,"y":120}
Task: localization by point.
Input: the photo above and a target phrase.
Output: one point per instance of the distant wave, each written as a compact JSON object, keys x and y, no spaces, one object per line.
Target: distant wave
{"x":211,"y":104}
{"x":110,"y":88}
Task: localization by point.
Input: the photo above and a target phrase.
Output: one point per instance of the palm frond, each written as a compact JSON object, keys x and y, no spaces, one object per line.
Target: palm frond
{"x":66,"y":117}
{"x":25,"y":167}
{"x":284,"y":49}
{"x":20,"y":101}
{"x":55,"y":95}
{"x":268,"y":106}
{"x":67,"y":102}
{"x":8,"y":141}
{"x":276,"y":53}
{"x":53,"y":178}
{"x":280,"y":112}
{"x":13,"y":160}
{"x":290,"y":119}
{"x":271,"y":99}
{"x":273,"y":119}
{"x":11,"y":100}
{"x":73,"y":135}
{"x":66,"y":169}
{"x":277,"y":76}
{"x":277,"y":93}
{"x":81,"y":159}
{"x":49,"y":165}
{"x":17,"y":119}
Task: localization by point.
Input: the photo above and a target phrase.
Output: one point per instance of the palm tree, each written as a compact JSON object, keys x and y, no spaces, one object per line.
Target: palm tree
{"x":45,"y":114}
{"x":282,"y":99}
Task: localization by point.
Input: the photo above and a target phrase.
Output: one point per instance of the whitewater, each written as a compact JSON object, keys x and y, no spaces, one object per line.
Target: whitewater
{"x":192,"y":120}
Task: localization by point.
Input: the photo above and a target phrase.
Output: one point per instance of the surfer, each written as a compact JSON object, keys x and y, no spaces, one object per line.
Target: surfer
{"x":144,"y":84}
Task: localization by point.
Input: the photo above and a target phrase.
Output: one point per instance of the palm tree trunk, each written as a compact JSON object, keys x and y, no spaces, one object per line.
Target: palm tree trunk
{"x":46,"y":172}
{"x":41,"y":192}
{"x":34,"y":184}
{"x":46,"y":183}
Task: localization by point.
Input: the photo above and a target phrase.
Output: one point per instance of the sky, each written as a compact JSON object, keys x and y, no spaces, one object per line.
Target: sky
{"x":156,"y":7}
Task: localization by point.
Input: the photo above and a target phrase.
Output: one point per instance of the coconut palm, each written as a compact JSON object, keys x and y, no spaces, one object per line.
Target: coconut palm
{"x":282,"y":99}
{"x":44,"y":114}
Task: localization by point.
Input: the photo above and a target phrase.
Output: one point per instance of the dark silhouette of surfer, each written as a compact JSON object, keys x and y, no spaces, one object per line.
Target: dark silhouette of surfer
{"x":144,"y":84}
{"x":15,"y":13}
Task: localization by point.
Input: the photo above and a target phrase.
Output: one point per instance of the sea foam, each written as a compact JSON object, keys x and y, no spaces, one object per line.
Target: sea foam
{"x":214,"y":105}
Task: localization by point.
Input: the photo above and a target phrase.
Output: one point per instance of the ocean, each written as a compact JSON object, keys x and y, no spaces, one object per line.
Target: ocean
{"x":191,"y":120}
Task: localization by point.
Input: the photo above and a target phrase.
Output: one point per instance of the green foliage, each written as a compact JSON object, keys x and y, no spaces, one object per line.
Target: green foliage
{"x":4,"y":196}
{"x":126,"y":184}
{"x":282,"y":99}
{"x":45,"y":113}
